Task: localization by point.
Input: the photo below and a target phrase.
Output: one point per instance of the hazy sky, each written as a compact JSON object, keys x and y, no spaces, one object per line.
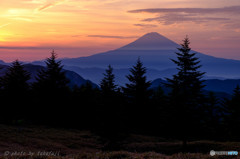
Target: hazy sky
{"x":30,"y":29}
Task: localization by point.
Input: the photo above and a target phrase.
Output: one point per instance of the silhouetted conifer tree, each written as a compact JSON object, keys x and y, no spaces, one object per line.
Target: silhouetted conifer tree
{"x":107,"y":84}
{"x":15,"y":89}
{"x":52,"y":92}
{"x":138,"y":93}
{"x":232,"y":114}
{"x":186,"y":92}
{"x":111,"y":120}
{"x":52,"y":79}
{"x":212,"y":118}
{"x":85,"y":106}
{"x":159,"y":114}
{"x":138,"y":88}
{"x":15,"y":79}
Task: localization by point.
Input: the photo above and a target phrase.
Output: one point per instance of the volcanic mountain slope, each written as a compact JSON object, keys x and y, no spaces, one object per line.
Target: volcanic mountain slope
{"x":155,"y":51}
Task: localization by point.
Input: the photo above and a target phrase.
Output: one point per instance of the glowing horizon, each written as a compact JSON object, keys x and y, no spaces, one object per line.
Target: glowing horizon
{"x":30,"y":29}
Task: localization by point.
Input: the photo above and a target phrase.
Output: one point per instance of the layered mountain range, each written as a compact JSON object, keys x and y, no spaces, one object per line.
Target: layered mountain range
{"x":155,"y":51}
{"x":74,"y":78}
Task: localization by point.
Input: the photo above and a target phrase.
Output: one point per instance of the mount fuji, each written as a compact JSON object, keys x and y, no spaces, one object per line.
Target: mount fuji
{"x":153,"y":48}
{"x":155,"y":51}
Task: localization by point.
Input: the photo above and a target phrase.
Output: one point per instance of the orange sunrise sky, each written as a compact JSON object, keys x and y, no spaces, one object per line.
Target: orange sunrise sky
{"x":30,"y":29}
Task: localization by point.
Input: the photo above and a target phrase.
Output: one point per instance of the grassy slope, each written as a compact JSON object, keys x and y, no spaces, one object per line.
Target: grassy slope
{"x":84,"y":144}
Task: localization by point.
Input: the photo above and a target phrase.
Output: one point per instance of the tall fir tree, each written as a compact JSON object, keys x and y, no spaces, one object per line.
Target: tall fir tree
{"x":15,"y":91}
{"x":186,"y":92}
{"x":52,"y":93}
{"x":232,"y":114}
{"x":212,"y":118}
{"x":138,"y":89}
{"x":111,"y":121}
{"x":15,"y":79}
{"x":52,"y":79}
{"x":137,"y":95}
{"x":107,"y":84}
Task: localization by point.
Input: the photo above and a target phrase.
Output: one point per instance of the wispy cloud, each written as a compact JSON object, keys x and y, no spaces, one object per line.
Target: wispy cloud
{"x":168,"y":16}
{"x":19,"y":47}
{"x":76,"y":36}
{"x":145,"y":25}
{"x":49,"y":5}
{"x":28,"y":47}
{"x":4,"y":25}
{"x":173,"y":18}
{"x":22,"y":19}
{"x":232,"y":9}
{"x":112,"y":37}
{"x":34,"y":1}
{"x":19,"y":14}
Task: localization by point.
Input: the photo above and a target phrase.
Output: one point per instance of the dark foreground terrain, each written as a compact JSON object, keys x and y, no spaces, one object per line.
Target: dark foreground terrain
{"x":43,"y":142}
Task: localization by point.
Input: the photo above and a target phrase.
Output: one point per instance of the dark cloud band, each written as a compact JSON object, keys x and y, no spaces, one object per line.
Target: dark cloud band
{"x":146,"y":25}
{"x":168,"y":16}
{"x":112,"y":37}
{"x":172,"y":18}
{"x":232,"y":9}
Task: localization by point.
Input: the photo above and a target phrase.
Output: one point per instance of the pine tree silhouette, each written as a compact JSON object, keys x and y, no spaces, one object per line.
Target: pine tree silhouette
{"x":212,"y":118}
{"x":138,"y":93}
{"x":52,"y":92}
{"x":110,"y":112}
{"x":186,"y":92}
{"x":15,"y":79}
{"x":159,"y":110}
{"x":108,"y":97}
{"x":15,"y":89}
{"x":232,"y":114}
{"x":138,"y":88}
{"x":107,"y":84}
{"x":52,"y":79}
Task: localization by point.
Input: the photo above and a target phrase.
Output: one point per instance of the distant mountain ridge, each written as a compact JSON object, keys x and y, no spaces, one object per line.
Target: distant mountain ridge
{"x":96,"y":74}
{"x":74,"y":78}
{"x":155,"y":51}
{"x":223,"y":87}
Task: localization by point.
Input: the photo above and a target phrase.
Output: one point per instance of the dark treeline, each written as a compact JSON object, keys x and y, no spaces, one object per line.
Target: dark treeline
{"x":186,"y":113}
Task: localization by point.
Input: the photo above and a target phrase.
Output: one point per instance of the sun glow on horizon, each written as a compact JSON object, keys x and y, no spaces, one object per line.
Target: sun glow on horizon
{"x":92,"y":25}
